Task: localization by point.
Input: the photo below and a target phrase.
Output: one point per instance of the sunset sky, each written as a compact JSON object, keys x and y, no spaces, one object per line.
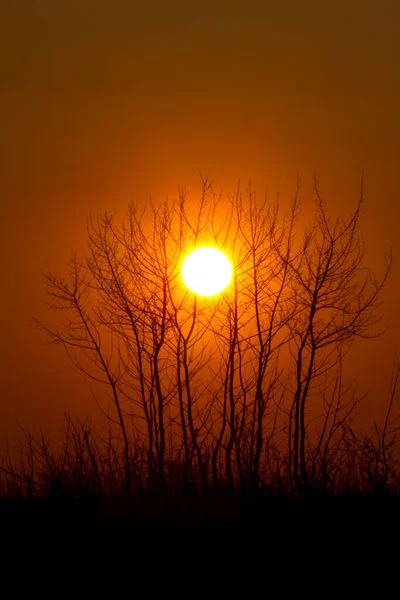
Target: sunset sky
{"x":104,"y":103}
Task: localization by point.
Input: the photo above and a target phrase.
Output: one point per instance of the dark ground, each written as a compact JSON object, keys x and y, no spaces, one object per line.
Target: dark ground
{"x":276,"y":517}
{"x":271,"y":546}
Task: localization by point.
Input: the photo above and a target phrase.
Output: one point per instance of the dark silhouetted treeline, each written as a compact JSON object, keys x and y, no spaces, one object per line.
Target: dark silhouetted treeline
{"x":217,"y":406}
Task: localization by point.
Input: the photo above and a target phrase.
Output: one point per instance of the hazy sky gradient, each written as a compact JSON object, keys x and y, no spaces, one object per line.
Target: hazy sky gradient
{"x":106,"y":102}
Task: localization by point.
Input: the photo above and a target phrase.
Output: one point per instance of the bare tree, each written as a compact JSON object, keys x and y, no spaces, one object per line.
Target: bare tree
{"x":335,"y":301}
{"x":203,"y":384}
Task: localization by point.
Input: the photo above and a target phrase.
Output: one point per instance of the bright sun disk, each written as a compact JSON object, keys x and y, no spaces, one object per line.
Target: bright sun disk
{"x":207,"y":271}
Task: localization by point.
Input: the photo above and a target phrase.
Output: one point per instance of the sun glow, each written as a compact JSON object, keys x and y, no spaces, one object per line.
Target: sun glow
{"x":207,"y":271}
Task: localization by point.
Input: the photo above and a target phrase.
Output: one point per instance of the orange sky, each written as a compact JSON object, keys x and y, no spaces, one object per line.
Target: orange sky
{"x":112,"y":102}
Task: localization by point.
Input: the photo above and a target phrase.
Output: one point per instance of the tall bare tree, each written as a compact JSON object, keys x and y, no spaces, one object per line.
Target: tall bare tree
{"x":203,"y":384}
{"x":335,"y":301}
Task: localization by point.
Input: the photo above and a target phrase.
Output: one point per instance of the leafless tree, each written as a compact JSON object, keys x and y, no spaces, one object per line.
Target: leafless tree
{"x":214,"y":386}
{"x":335,"y":301}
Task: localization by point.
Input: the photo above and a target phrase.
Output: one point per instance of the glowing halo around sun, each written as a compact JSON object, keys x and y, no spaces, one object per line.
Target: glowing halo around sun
{"x":207,"y":271}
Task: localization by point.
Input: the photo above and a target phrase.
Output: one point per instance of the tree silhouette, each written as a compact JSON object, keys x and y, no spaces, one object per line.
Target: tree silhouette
{"x":244,"y":389}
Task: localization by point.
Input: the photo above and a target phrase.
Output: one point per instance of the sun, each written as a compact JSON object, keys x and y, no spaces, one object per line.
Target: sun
{"x":206,"y":271}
